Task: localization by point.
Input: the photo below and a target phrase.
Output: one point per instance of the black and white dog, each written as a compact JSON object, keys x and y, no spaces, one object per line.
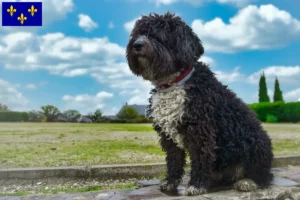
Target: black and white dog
{"x":193,"y":112}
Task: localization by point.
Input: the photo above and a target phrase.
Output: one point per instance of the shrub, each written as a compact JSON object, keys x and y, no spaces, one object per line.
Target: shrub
{"x":13,"y":116}
{"x":143,"y":120}
{"x":271,"y":119}
{"x":35,"y":116}
{"x":116,"y":121}
{"x":127,"y":121}
{"x":128,"y":113}
{"x":285,"y":112}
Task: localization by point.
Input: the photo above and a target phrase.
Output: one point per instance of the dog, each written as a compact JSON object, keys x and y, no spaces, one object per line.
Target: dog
{"x":194,"y":113}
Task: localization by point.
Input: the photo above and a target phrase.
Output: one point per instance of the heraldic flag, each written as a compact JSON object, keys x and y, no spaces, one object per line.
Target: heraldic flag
{"x":21,"y":13}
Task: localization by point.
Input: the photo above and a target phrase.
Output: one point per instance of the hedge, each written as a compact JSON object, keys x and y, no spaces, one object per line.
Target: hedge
{"x":284,"y":112}
{"x":13,"y":116}
{"x":127,"y":121}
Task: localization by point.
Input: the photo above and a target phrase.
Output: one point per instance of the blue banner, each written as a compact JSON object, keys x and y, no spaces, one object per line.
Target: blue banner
{"x":21,"y":13}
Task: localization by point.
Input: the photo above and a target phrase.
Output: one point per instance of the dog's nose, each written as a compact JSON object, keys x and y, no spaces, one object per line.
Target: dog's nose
{"x":138,"y":44}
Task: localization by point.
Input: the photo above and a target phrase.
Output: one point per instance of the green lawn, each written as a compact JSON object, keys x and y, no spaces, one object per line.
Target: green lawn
{"x":64,"y":144}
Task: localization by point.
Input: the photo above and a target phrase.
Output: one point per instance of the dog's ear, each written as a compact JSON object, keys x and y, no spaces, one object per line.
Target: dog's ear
{"x":189,"y":46}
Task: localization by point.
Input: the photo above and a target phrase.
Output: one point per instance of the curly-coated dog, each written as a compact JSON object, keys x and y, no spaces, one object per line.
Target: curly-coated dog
{"x":193,"y":112}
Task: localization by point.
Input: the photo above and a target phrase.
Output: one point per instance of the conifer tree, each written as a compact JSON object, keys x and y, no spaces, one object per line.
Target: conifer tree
{"x":263,"y":91}
{"x":277,"y":92}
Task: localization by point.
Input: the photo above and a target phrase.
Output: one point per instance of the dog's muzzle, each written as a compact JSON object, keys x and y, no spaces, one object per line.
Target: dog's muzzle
{"x":139,"y":45}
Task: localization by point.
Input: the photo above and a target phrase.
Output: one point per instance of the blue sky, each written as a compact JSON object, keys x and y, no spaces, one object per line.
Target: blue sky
{"x":77,"y":59}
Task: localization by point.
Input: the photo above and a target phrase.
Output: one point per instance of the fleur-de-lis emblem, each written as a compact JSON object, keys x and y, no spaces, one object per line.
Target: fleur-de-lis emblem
{"x":11,"y":10}
{"x":22,"y":18}
{"x":32,"y":10}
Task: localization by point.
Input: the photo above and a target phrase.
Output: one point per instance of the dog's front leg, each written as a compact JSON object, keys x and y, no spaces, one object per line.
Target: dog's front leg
{"x":202,"y":154}
{"x":175,"y":159}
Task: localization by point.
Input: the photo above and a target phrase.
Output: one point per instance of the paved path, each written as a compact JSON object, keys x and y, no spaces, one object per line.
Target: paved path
{"x":286,"y":186}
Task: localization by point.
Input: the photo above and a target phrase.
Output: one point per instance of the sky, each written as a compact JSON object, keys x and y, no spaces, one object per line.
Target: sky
{"x":76,"y":60}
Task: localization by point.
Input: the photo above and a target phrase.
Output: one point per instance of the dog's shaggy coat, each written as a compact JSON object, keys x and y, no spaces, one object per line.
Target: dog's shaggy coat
{"x":202,"y":116}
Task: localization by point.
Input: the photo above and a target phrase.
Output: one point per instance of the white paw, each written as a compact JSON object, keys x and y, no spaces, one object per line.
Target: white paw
{"x":193,"y":191}
{"x":245,"y":185}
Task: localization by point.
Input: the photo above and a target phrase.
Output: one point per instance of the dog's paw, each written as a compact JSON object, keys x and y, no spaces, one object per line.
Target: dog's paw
{"x":245,"y":185}
{"x":193,"y":191}
{"x":169,"y":186}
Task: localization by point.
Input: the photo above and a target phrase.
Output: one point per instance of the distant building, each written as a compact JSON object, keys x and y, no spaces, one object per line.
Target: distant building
{"x":84,"y":119}
{"x":140,"y":108}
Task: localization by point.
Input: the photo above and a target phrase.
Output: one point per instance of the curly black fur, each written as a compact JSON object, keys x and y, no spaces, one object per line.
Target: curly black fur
{"x":219,"y":130}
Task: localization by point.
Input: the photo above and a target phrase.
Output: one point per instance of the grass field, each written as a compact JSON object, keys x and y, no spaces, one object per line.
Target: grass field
{"x":64,"y":144}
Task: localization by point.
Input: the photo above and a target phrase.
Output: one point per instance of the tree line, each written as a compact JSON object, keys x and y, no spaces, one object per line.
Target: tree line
{"x":263,"y":91}
{"x":50,"y":113}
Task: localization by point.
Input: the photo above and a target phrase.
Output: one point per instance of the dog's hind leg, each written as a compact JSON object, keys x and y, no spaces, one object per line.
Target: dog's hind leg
{"x":175,"y":164}
{"x":257,"y":165}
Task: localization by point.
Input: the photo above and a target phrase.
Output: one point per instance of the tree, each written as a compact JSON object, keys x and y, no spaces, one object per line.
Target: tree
{"x":35,"y":116}
{"x":95,"y":116}
{"x":277,"y":92}
{"x":71,"y":115}
{"x":50,"y":112}
{"x":3,"y":108}
{"x":263,"y":91}
{"x":128,"y":113}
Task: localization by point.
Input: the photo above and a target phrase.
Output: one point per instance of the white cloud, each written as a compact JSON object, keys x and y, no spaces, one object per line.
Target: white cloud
{"x":70,"y":57}
{"x":56,"y":52}
{"x":111,"y":25}
{"x":86,"y":23}
{"x":208,"y":60}
{"x":293,"y":95}
{"x":200,"y":2}
{"x":286,"y":74}
{"x":10,"y":96}
{"x":53,"y":10}
{"x":229,"y":77}
{"x":75,"y":72}
{"x":31,"y":86}
{"x":252,"y":28}
{"x":238,"y":3}
{"x":142,"y":94}
{"x":87,"y":103}
{"x":129,"y":25}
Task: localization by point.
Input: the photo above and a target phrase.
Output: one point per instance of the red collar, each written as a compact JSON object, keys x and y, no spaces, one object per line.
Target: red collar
{"x":179,"y":78}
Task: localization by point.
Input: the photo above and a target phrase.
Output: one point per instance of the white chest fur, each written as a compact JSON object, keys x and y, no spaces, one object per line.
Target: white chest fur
{"x":167,"y":110}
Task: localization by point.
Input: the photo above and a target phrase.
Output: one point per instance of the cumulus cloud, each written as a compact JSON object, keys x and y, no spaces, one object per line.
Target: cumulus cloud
{"x":71,"y":57}
{"x":251,"y":28}
{"x":142,"y":94}
{"x":10,"y":96}
{"x":208,"y":60}
{"x":86,"y":23}
{"x":200,"y":2}
{"x":53,"y":10}
{"x":85,"y":102}
{"x":293,"y":95}
{"x":31,"y":86}
{"x":56,"y":52}
{"x":286,"y":74}
{"x":229,"y":77}
{"x":129,"y":25}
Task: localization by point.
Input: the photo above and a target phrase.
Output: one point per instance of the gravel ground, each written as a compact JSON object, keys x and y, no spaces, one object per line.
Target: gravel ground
{"x":29,"y":187}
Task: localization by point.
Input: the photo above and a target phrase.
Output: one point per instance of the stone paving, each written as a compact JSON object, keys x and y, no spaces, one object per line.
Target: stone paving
{"x":286,"y":186}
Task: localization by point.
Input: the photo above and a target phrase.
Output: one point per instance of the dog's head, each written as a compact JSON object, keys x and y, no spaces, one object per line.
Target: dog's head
{"x":162,"y":45}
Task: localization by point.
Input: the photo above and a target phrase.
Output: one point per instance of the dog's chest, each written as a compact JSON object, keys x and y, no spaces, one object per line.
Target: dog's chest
{"x":167,"y":109}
